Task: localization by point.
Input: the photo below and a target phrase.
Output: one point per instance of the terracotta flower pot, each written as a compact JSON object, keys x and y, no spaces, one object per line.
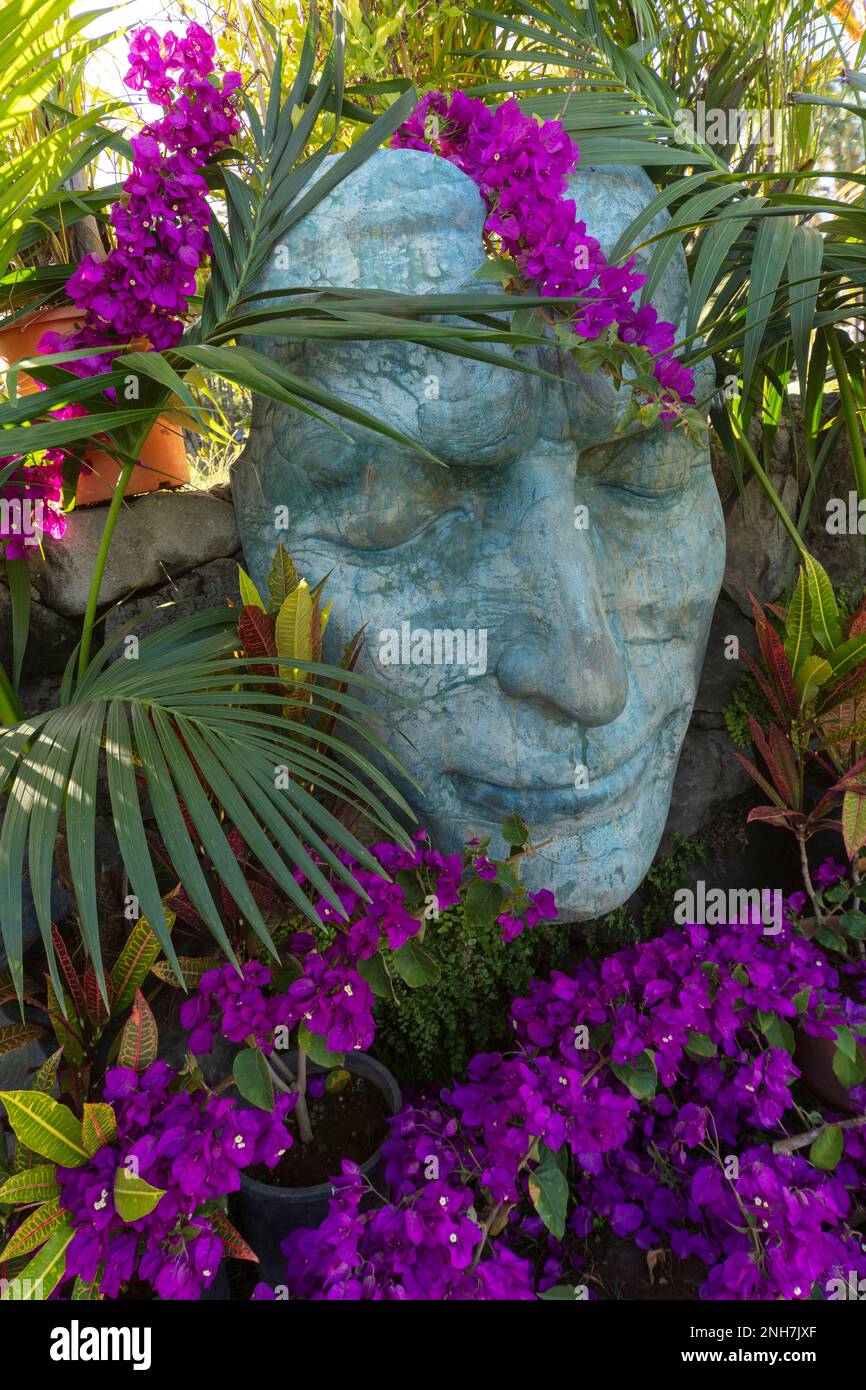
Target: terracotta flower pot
{"x":162,"y":461}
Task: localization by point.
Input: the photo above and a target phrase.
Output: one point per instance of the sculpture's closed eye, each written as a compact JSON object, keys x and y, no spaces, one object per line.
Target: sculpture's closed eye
{"x":655,"y":473}
{"x":474,"y":415}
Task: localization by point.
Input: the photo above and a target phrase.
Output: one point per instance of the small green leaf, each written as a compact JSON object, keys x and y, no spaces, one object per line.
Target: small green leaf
{"x":415,"y":965}
{"x":133,"y":1197}
{"x":482,"y":902}
{"x":515,"y":831}
{"x":777,"y":1032}
{"x":337,"y":1080}
{"x":253,"y":1079}
{"x":846,"y":1042}
{"x":850,"y":1072}
{"x":641,"y":1078}
{"x":827,"y":1148}
{"x":316,"y":1049}
{"x":548,"y":1189}
{"x":853,"y":924}
{"x":375,"y":972}
{"x":700,"y":1045}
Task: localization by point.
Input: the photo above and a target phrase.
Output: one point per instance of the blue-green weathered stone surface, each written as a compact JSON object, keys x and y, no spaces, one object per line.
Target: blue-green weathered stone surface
{"x":595,"y":633}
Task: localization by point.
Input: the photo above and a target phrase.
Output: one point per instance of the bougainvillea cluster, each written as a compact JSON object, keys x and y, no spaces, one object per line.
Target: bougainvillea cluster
{"x":138,"y":295}
{"x":142,"y":289}
{"x":659,"y":1081}
{"x":190,"y":1144}
{"x":521,"y":169}
{"x":331,"y":995}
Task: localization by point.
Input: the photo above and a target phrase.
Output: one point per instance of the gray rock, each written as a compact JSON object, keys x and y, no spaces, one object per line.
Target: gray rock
{"x":50,"y":641}
{"x":708,"y":775}
{"x":721,"y":673}
{"x":158,"y":538}
{"x":760,"y":552}
{"x":206,"y":587}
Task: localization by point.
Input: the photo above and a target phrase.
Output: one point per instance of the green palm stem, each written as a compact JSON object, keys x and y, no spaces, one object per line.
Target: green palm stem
{"x":102,"y":553}
{"x":850,"y":413}
{"x":766,"y":484}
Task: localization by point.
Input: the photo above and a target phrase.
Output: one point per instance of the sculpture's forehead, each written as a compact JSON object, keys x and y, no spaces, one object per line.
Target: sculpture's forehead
{"x":409,"y":221}
{"x":405,"y":221}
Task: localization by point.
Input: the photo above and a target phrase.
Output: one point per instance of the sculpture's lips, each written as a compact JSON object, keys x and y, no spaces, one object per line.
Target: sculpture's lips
{"x":541,"y":805}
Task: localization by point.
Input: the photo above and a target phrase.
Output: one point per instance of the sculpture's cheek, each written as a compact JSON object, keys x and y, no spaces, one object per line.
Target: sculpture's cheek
{"x":663,"y":560}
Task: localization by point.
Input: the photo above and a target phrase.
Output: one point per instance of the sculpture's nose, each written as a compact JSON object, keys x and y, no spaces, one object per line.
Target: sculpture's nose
{"x":573,"y":661}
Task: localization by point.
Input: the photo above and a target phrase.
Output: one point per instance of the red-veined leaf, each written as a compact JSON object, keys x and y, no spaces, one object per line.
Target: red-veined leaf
{"x":99,"y":1126}
{"x":760,"y":779}
{"x":234,"y":1244}
{"x":139,"y":1039}
{"x":35,"y":1229}
{"x":854,"y":820}
{"x":15,"y":1035}
{"x":69,"y":971}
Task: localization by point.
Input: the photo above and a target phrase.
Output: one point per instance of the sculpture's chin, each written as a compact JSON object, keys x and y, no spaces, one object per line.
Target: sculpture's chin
{"x":594,"y":865}
{"x":591,"y":845}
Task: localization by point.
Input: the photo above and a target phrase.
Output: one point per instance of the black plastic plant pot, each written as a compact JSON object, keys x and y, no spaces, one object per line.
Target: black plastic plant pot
{"x":270,"y":1213}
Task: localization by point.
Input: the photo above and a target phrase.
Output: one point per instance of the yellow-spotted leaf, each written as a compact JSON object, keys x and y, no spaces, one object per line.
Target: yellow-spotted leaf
{"x":47,"y":1074}
{"x":133,"y":1197}
{"x":824,"y":615}
{"x":35,"y":1229}
{"x":46,"y":1127}
{"x":37,"y":1184}
{"x":798,"y":625}
{"x":38,"y":1279}
{"x":233,"y":1242}
{"x":282,"y":580}
{"x":99,"y":1127}
{"x":193,"y":967}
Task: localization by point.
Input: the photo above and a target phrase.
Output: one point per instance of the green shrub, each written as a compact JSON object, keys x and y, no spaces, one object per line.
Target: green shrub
{"x":426,"y":1036}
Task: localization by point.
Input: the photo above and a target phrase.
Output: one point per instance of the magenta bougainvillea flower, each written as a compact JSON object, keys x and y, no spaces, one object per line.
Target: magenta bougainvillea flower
{"x":679,"y":1155}
{"x":331,"y":996}
{"x":190,"y":1144}
{"x":521,"y":168}
{"x":140,"y":292}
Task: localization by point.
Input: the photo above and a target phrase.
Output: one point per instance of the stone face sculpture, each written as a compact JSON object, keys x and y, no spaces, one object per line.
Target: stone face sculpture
{"x":545,"y":598}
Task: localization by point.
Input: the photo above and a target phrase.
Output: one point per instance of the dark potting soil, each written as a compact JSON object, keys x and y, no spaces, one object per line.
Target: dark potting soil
{"x":349,"y":1123}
